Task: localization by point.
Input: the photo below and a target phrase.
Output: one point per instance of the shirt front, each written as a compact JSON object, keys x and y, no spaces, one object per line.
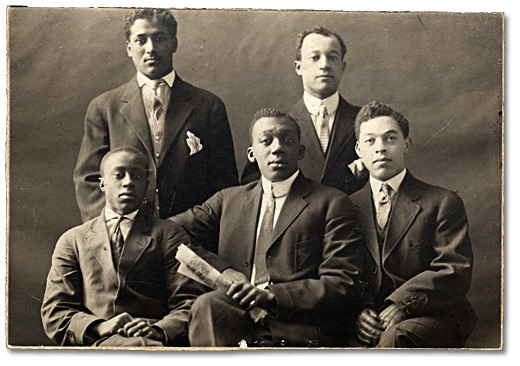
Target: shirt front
{"x":394,"y":183}
{"x":280,"y":190}
{"x":163,"y":93}
{"x":111,"y":219}
{"x":313,"y":106}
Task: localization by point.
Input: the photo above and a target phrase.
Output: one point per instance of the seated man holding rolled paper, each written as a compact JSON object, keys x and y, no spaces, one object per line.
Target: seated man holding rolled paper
{"x":114,"y":280}
{"x":288,"y":245}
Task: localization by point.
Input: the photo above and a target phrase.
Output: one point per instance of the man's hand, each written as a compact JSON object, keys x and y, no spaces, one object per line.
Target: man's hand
{"x":142,"y":328}
{"x":358,"y":169}
{"x":391,"y":315}
{"x":111,"y":326}
{"x":248,"y":296}
{"x":234,"y":276}
{"x":368,"y":327}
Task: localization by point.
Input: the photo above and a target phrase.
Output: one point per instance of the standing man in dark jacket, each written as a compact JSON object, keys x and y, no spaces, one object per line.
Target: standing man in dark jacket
{"x":325,"y":118}
{"x":183,"y":130}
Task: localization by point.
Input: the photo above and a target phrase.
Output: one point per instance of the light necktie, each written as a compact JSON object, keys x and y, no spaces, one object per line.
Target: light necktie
{"x":264,"y":240}
{"x":157,"y":103}
{"x":117,"y":236}
{"x":323,"y":123}
{"x":384,"y":204}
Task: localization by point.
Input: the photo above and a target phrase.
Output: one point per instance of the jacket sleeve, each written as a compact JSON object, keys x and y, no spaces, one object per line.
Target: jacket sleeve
{"x":202,"y":223}
{"x":64,"y":317}
{"x":222,"y":165}
{"x":448,"y":277}
{"x":182,"y":291}
{"x":336,"y":287}
{"x":94,"y":146}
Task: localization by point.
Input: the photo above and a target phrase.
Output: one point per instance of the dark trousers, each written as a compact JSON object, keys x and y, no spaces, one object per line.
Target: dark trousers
{"x":433,"y":331}
{"x":216,"y":320}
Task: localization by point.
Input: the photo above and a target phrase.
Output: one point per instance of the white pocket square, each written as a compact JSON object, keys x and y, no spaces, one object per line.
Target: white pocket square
{"x":193,"y":143}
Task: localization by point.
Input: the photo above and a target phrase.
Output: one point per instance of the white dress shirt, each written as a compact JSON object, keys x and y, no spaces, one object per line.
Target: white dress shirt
{"x":394,"y":182}
{"x":280,"y":190}
{"x":313,"y":106}
{"x":111,"y":219}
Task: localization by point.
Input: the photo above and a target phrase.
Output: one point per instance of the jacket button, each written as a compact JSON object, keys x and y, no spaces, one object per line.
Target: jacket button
{"x":246,"y":264}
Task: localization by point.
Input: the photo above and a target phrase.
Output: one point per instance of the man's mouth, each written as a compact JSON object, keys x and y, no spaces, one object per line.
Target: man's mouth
{"x":127,"y":195}
{"x":152,"y":59}
{"x":278,"y":162}
{"x":382,"y":160}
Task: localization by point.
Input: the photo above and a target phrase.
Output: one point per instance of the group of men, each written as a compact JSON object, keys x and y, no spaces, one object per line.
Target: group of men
{"x":329,"y":235}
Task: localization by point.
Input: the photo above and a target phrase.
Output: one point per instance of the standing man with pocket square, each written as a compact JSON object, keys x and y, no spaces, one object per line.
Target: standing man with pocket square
{"x":183,"y":130}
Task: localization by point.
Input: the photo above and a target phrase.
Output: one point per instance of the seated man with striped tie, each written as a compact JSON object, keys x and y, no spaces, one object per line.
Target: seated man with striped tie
{"x":114,"y":279}
{"x":418,"y":263}
{"x":290,"y":245}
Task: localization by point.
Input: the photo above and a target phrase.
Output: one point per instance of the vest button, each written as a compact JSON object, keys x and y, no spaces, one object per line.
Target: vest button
{"x":246,"y":264}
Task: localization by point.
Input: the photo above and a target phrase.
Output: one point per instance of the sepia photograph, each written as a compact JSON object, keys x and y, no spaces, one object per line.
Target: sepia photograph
{"x":214,"y":178}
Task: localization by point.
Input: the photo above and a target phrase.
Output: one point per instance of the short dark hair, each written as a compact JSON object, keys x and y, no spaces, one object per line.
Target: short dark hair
{"x":273,"y":113}
{"x":377,"y":109}
{"x":162,"y":15}
{"x":318,"y":30}
{"x":125,"y":149}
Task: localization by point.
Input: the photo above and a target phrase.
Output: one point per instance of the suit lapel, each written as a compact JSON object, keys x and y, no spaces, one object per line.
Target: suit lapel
{"x":367,"y":222}
{"x":98,"y":242}
{"x":249,"y":213}
{"x":403,"y":213}
{"x":177,"y":115}
{"x":135,"y":114}
{"x":135,"y":244}
{"x":293,"y":205}
{"x":342,"y":132}
{"x":308,"y":132}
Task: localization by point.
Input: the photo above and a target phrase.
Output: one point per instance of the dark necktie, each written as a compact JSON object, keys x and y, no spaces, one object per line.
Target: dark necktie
{"x":157,"y":104}
{"x":117,"y":236}
{"x":264,"y":240}
{"x":384,"y":204}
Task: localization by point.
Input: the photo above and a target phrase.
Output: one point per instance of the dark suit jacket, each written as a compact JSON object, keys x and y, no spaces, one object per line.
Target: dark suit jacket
{"x":313,"y":261}
{"x":427,"y":252}
{"x":118,"y":118}
{"x":83,"y":285}
{"x":330,"y":170}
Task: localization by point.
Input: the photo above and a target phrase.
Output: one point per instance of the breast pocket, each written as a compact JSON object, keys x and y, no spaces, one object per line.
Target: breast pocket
{"x":307,"y":254}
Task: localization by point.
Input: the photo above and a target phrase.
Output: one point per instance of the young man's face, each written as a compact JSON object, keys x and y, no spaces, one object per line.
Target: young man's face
{"x":321,"y":66}
{"x":151,"y":48}
{"x":275,"y":147}
{"x":124,"y":181}
{"x":382,"y":147}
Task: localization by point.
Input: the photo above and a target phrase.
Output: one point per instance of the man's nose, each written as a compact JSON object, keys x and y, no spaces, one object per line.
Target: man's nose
{"x":128,"y":181}
{"x":276,"y":146}
{"x":150,"y":45}
{"x":324,"y":62}
{"x":380,"y":146}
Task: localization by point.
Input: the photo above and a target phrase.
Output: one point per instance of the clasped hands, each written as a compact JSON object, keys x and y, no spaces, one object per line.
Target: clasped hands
{"x":245,"y":294}
{"x":369,"y":324}
{"x":127,"y":326}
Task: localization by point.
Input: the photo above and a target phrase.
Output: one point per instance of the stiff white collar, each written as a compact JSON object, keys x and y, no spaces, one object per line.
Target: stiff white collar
{"x":169,"y":79}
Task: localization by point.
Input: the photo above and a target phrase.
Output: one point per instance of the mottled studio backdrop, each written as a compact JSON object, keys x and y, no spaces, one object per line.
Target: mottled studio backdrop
{"x":442,"y":71}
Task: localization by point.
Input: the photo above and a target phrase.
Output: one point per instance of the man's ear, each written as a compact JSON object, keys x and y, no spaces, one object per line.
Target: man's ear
{"x":407,"y":144}
{"x":128,"y":51}
{"x":344,"y":66}
{"x":301,"y":153}
{"x":250,"y":155}
{"x":102,"y":184}
{"x":297,"y":67}
{"x":358,"y":152}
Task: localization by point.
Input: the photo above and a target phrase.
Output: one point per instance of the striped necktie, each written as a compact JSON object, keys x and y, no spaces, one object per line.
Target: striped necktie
{"x":264,"y":240}
{"x":323,"y":123}
{"x":157,"y":103}
{"x":384,"y":204}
